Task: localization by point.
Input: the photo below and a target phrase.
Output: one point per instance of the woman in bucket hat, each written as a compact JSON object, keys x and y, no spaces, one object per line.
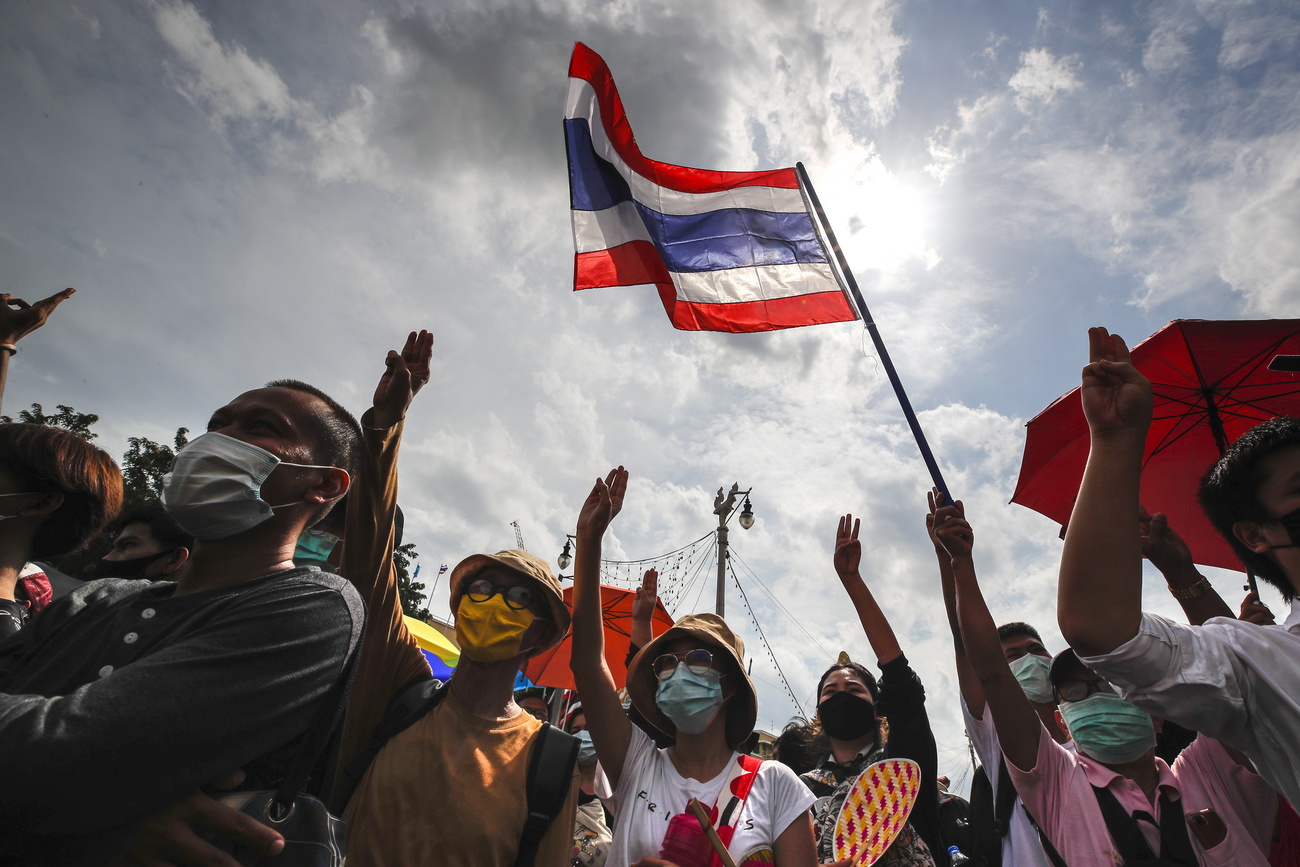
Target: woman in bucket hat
{"x":689,"y":682}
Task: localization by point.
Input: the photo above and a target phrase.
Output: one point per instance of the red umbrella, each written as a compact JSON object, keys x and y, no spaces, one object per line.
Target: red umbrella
{"x":552,"y":667}
{"x":1212,"y":382}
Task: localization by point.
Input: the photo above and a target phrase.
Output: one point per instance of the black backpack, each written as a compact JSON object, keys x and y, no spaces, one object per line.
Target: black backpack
{"x":550,"y":771}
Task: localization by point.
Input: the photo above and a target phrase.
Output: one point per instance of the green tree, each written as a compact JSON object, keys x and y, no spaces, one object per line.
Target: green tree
{"x":410,"y":590}
{"x":67,"y":418}
{"x":144,"y":465}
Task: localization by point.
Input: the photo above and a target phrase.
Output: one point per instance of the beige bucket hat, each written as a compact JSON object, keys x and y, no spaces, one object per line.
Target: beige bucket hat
{"x":525,"y":564}
{"x":710,"y":629}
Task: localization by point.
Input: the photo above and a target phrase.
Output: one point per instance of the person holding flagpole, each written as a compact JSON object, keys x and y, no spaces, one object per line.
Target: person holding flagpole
{"x":689,"y":682}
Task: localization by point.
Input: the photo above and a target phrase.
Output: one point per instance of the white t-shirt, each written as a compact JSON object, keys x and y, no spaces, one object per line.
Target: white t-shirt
{"x":1021,"y":846}
{"x":650,"y":792}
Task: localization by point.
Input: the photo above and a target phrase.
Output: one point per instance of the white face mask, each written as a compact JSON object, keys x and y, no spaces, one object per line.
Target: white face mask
{"x":214,"y":489}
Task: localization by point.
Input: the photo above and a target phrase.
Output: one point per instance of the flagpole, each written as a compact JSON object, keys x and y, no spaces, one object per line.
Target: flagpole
{"x":806,"y":186}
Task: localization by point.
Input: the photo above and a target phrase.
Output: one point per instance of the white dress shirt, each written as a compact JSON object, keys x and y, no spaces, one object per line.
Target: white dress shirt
{"x":1228,"y":679}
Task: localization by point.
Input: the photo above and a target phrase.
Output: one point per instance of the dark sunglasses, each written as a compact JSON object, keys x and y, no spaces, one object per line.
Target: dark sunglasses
{"x":698,"y":661}
{"x":517,"y":596}
{"x":1078,"y":690}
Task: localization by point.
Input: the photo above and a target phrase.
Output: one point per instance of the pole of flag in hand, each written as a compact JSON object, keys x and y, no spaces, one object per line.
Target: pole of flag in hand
{"x":728,"y":251}
{"x":919,"y":435}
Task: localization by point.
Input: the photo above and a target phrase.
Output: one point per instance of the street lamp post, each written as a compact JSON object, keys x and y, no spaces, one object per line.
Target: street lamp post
{"x":723,"y":507}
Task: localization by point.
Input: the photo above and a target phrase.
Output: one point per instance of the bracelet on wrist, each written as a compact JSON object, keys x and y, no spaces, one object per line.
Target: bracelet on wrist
{"x":1192,"y":591}
{"x":11,"y":348}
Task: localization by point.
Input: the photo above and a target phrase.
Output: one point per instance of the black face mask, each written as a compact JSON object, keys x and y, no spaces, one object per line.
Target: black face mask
{"x":846,"y":717}
{"x":133,"y":568}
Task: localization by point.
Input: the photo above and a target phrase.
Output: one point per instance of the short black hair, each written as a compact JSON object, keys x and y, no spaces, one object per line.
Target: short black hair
{"x":857,"y":668}
{"x":161,"y":525}
{"x":1010,"y":630}
{"x":338,"y":433}
{"x":800,"y":746}
{"x":51,"y":460}
{"x":1228,"y":491}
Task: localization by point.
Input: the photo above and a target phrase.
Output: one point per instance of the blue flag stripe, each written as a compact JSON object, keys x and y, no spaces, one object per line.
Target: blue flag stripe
{"x":711,"y":241}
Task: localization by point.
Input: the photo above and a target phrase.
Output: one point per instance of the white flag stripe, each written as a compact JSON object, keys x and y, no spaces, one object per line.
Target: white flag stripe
{"x":764,"y":283}
{"x":581,"y":102}
{"x":603,"y":230}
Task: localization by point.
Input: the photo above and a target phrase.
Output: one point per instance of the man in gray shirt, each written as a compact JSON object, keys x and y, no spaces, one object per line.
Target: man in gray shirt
{"x":126,"y":696}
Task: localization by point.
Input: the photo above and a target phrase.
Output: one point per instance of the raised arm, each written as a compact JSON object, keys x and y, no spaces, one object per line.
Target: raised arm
{"x":390,"y":658}
{"x":971,"y":691}
{"x":1169,"y":553}
{"x":611,"y":730}
{"x":1014,"y":718}
{"x":848,"y":557}
{"x":1099,"y":598}
{"x":17,"y":320}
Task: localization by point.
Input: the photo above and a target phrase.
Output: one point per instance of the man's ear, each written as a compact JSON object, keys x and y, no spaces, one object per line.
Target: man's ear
{"x":176,"y":560}
{"x":1060,"y":723}
{"x":1251,"y":534}
{"x":333,"y":485}
{"x":45,"y":505}
{"x":541,"y":633}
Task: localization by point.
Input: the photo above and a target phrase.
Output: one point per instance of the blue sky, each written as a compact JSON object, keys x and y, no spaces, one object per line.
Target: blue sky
{"x":248,"y":191}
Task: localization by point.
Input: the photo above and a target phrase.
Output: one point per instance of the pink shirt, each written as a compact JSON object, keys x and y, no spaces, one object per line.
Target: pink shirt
{"x":1058,"y":793}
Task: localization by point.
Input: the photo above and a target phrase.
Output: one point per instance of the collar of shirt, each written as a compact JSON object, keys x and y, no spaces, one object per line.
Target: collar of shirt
{"x":1292,"y":622}
{"x":852,"y":766}
{"x":1103,"y":777}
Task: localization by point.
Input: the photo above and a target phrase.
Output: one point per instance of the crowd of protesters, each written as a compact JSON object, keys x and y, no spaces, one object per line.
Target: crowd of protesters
{"x":236,"y":672}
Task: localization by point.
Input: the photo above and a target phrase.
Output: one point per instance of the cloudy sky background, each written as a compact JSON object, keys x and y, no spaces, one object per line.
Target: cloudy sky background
{"x":246,"y":191}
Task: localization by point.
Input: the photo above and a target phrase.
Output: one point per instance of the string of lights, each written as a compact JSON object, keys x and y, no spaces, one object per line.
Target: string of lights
{"x":767,"y":647}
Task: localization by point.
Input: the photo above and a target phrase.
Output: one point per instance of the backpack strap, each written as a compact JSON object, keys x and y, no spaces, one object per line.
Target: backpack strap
{"x":1175,"y":844}
{"x":550,"y":774}
{"x":1004,"y":801}
{"x":410,"y":703}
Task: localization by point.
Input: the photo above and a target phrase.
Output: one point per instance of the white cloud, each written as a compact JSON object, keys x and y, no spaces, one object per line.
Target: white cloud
{"x":1042,"y":77}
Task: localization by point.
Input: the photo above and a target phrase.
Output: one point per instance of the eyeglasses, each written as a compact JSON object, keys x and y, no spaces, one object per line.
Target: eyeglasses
{"x":1078,"y":690}
{"x":698,"y":661}
{"x":517,"y":596}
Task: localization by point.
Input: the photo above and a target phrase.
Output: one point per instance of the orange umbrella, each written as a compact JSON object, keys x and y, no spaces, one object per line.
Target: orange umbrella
{"x":552,"y":667}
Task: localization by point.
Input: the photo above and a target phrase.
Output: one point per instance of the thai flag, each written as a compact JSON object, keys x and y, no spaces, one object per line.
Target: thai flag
{"x":728,"y":251}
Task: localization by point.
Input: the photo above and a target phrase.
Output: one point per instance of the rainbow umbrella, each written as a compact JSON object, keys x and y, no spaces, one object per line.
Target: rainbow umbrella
{"x":440,"y":651}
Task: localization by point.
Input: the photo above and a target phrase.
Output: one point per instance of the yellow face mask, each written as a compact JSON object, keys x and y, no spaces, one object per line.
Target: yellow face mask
{"x":490,"y":631}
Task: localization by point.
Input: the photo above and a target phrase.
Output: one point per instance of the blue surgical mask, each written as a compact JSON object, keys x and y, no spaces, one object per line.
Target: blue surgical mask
{"x":313,"y":549}
{"x":1108,"y":728}
{"x":586,"y":749}
{"x":689,"y":700}
{"x":1031,"y":671}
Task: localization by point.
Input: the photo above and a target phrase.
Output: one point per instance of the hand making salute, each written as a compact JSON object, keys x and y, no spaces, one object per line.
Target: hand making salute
{"x":1029,"y":661}
{"x":1227,"y":678}
{"x":850,"y":705}
{"x":1113,"y":802}
{"x":450,"y":784}
{"x":690,"y":682}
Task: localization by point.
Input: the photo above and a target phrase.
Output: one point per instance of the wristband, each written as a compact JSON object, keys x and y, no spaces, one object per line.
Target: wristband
{"x":12,"y":348}
{"x":1192,"y":591}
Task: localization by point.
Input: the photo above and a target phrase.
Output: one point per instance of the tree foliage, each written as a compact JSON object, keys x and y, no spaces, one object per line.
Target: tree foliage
{"x":410,"y":590}
{"x":144,"y":465}
{"x":67,"y":418}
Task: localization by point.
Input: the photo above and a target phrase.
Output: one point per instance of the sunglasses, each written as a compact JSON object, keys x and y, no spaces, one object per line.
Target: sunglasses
{"x":698,"y":661}
{"x":517,"y":596}
{"x":1078,"y":690}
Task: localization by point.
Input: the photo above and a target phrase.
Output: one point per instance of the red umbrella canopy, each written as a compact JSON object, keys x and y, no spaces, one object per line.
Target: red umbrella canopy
{"x":552,"y":667}
{"x":1211,"y":382}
